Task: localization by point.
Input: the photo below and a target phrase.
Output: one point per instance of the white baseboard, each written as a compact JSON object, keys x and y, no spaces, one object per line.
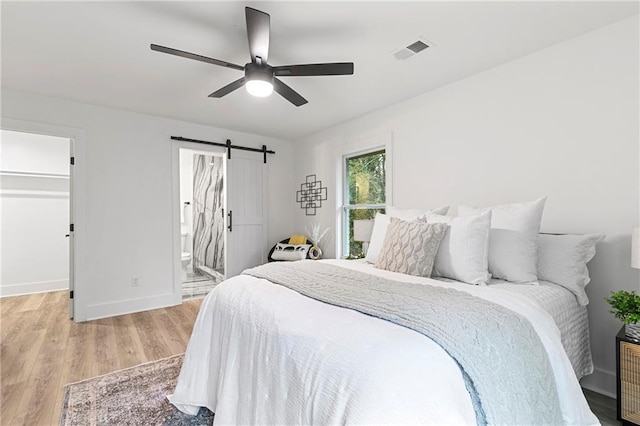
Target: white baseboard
{"x":601,"y":381}
{"x":30,"y":288}
{"x":123,"y":307}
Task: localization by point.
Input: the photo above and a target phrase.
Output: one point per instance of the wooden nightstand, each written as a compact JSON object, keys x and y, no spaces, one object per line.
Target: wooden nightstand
{"x":628,"y":379}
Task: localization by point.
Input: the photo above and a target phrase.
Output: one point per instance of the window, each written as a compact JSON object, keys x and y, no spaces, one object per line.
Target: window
{"x":364,"y":195}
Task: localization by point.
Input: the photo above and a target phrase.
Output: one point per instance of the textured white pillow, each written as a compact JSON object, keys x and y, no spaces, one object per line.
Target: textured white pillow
{"x":562,"y":259}
{"x":381,"y":223}
{"x":513,"y":240}
{"x":411,"y":247}
{"x":464,"y":251}
{"x":290,"y":252}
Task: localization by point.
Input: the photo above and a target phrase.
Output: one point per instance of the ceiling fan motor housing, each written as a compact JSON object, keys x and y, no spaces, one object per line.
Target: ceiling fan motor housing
{"x":258,"y":72}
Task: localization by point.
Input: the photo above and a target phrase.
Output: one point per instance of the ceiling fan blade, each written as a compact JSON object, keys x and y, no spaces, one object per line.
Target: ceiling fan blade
{"x":288,"y":93}
{"x":258,"y":24}
{"x":195,"y":57}
{"x":336,"y":68}
{"x":228,"y":88}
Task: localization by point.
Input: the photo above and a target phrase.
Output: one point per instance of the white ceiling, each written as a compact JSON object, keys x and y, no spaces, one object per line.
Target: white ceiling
{"x":98,"y":52}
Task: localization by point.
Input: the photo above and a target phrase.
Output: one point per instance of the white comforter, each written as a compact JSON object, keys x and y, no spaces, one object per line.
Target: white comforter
{"x":261,"y":353}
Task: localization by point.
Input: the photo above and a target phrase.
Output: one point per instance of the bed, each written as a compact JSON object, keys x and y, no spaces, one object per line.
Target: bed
{"x":262,"y":353}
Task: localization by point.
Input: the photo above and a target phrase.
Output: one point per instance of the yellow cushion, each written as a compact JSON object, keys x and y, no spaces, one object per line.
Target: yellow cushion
{"x":296,"y":240}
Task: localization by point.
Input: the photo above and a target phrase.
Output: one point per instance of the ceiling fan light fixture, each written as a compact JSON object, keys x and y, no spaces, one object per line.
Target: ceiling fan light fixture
{"x":259,"y":80}
{"x":259,"y":88}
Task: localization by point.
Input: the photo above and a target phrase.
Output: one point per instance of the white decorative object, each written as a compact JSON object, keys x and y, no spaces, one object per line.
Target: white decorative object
{"x":316,"y":237}
{"x":635,"y":248}
{"x":290,"y":252}
{"x":513,"y":240}
{"x":315,"y":253}
{"x":315,"y":234}
{"x":464,"y":251}
{"x":362,"y":230}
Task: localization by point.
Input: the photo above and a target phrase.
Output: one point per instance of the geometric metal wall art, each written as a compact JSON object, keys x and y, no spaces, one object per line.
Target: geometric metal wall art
{"x":311,"y":195}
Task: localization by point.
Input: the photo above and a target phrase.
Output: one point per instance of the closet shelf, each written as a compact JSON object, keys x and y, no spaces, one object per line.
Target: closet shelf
{"x":21,"y":193}
{"x":33,"y":174}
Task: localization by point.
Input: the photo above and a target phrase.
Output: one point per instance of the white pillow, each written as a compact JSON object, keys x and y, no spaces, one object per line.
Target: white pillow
{"x":381,"y":223}
{"x":290,"y":252}
{"x":413,"y":214}
{"x":513,"y":240}
{"x":562,"y":260}
{"x":464,"y":251}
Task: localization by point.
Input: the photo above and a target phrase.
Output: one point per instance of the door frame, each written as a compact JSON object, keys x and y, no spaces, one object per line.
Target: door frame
{"x":77,"y":203}
{"x":176,"y":146}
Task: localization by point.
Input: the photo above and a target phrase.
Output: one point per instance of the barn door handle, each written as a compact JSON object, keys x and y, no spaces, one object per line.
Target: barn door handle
{"x":230,"y":226}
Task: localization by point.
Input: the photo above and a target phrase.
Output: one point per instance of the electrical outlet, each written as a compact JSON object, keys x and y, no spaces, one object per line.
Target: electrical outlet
{"x":135,"y":281}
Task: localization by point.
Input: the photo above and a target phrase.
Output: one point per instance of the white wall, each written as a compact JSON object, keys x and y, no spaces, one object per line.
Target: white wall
{"x":562,"y":122}
{"x":34,"y":214}
{"x":129,"y":208}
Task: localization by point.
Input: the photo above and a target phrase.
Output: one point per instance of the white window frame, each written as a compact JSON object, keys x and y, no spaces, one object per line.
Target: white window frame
{"x":355,"y":149}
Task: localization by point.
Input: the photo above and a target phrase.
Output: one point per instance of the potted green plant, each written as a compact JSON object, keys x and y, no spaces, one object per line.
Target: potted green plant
{"x":626,"y":307}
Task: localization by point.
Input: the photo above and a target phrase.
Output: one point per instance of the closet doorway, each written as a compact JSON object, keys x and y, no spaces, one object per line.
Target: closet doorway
{"x":37,"y":210}
{"x":202,"y":221}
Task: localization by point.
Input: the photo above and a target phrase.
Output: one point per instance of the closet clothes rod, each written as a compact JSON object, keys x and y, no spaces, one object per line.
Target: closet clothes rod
{"x":228,"y":145}
{"x":33,"y":174}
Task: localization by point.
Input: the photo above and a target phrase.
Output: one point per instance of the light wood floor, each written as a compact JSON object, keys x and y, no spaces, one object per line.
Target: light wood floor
{"x":41,"y":350}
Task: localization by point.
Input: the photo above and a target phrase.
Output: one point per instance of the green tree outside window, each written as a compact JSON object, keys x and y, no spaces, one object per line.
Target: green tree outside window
{"x":366,"y":192}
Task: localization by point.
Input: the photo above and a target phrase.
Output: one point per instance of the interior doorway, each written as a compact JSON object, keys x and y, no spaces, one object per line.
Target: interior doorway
{"x":202,"y":221}
{"x":234,"y":226}
{"x":37,"y":210}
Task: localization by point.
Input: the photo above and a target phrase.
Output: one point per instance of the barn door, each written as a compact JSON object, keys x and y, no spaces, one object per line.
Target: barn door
{"x":246,"y":212}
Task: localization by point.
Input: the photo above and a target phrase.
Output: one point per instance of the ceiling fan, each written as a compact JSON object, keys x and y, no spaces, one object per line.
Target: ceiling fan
{"x":260,"y":77}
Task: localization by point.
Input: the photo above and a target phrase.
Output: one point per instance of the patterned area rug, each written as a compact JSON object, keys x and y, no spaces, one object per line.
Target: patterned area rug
{"x":133,"y":396}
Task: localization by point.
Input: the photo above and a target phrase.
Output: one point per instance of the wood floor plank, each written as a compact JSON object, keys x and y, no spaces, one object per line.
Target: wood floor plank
{"x":153,"y":342}
{"x":180,"y":318}
{"x":130,"y":351}
{"x":10,"y":398}
{"x":33,"y":302}
{"x":43,"y":317}
{"x":171,"y":333}
{"x":38,"y":403}
{"x":10,"y":305}
{"x":19,"y":357}
{"x":83,"y":354}
{"x":106,"y":347}
{"x":20,"y":323}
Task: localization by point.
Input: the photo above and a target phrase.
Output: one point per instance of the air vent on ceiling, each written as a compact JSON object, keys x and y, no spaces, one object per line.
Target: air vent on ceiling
{"x":411,"y":50}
